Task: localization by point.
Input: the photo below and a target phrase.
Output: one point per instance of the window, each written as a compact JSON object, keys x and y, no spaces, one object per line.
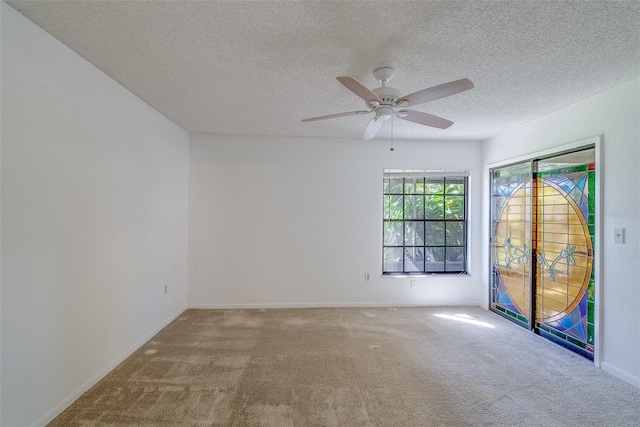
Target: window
{"x":425,"y":222}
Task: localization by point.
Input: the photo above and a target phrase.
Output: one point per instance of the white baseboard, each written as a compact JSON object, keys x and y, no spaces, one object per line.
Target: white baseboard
{"x":57,"y":410}
{"x":623,"y":375}
{"x":247,"y":305}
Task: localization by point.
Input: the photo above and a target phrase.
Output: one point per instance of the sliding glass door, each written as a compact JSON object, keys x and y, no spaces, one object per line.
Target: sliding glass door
{"x":543,"y":221}
{"x":511,"y":242}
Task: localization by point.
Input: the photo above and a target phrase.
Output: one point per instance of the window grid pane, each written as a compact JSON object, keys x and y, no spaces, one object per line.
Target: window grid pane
{"x":424,"y":225}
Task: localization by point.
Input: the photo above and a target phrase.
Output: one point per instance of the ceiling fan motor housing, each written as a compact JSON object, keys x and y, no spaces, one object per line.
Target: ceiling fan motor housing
{"x":387,"y":94}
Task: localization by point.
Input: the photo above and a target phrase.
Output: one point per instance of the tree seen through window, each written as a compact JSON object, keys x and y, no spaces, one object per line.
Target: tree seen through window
{"x":424,"y":224}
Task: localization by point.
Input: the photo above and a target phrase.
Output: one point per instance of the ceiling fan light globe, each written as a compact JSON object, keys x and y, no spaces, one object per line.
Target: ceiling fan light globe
{"x":384,"y":113}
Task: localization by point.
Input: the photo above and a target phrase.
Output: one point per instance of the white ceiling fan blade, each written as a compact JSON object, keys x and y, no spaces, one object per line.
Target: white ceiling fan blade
{"x":356,"y":87}
{"x":372,"y":128}
{"x":333,"y":116}
{"x":436,"y":92}
{"x":425,"y":119}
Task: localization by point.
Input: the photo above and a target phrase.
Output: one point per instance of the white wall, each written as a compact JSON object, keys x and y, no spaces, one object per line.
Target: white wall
{"x":94,"y":221}
{"x":298,"y":221}
{"x":615,"y":115}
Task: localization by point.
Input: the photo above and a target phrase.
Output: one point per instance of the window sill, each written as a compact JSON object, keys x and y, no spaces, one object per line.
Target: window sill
{"x":419,"y":275}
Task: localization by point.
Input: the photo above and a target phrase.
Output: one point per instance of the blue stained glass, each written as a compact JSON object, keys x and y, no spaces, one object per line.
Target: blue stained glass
{"x":582,"y":183}
{"x":505,"y":301}
{"x":574,"y":324}
{"x":579,"y":328}
{"x":565,"y":323}
{"x":567,"y":185}
{"x":584,"y":208}
{"x":502,"y":298}
{"x":508,"y":190}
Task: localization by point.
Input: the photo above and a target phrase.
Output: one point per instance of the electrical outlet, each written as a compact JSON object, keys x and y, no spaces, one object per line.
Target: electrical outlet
{"x":367,"y":277}
{"x":165,"y":288}
{"x":412,"y":283}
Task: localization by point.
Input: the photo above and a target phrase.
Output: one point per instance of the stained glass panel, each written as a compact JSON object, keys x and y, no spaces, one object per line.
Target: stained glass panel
{"x":564,"y":270}
{"x":550,"y":224}
{"x":511,"y":241}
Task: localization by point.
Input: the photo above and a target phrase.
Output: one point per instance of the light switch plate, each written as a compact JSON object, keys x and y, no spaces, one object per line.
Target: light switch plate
{"x":618,"y":235}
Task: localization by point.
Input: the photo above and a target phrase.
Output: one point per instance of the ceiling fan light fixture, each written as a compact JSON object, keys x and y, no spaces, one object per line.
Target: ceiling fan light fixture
{"x":384,"y":113}
{"x":402,"y":113}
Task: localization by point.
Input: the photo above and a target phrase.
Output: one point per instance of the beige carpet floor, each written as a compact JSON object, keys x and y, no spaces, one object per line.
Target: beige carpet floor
{"x":423,"y":366}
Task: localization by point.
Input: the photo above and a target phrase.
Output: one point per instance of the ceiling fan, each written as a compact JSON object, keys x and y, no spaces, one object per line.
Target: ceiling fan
{"x":386,"y":101}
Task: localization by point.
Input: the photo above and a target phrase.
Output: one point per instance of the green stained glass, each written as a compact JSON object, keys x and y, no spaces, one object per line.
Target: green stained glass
{"x":592,"y":191}
{"x":574,"y":341}
{"x":576,"y":194}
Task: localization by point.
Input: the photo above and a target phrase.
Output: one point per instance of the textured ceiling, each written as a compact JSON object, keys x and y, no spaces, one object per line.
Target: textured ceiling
{"x":259,"y":67}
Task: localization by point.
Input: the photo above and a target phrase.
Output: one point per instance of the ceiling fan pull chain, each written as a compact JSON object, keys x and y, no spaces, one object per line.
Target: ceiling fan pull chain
{"x":391,"y":149}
